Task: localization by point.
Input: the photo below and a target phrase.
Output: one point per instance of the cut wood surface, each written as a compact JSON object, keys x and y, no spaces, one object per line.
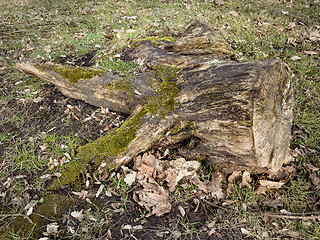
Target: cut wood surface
{"x":236,"y":115}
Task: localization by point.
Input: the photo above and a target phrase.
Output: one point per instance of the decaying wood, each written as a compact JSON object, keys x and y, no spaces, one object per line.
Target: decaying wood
{"x":236,"y":115}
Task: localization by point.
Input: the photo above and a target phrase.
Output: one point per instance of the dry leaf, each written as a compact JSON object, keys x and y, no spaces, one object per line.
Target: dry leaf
{"x":82,"y":195}
{"x":244,"y":231}
{"x":29,"y":211}
{"x":291,"y":25}
{"x":182,"y":211}
{"x":246,"y":180}
{"x":181,"y":169}
{"x":52,"y":228}
{"x":292,"y":41}
{"x":277,"y":202}
{"x":315,"y":180}
{"x":219,"y":3}
{"x":271,"y":184}
{"x":310,"y":168}
{"x":153,"y":197}
{"x":47,"y":48}
{"x":130,"y":178}
{"x":77,"y":215}
{"x":99,"y":190}
{"x":261,"y":190}
{"x":235,"y":177}
{"x":294,"y":58}
{"x":146,"y":164}
{"x":311,"y":52}
{"x":234,"y":13}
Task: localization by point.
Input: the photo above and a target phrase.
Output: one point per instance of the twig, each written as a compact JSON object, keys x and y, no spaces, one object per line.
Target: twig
{"x":16,"y":215}
{"x":313,"y":216}
{"x":213,"y":204}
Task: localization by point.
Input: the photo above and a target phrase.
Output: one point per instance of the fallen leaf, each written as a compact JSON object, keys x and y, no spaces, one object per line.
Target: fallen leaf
{"x":244,"y":231}
{"x":295,"y":58}
{"x":145,"y":165}
{"x":283,"y":174}
{"x":30,"y":211}
{"x":99,"y":190}
{"x":310,"y":168}
{"x":52,"y":228}
{"x":234,"y":13}
{"x":219,"y":3}
{"x":292,"y":41}
{"x":291,"y":25}
{"x":181,"y":169}
{"x":82,"y":195}
{"x":45,"y":176}
{"x":246,"y":179}
{"x":153,"y":197}
{"x":130,"y":178}
{"x":261,"y":190}
{"x":311,"y":52}
{"x":315,"y":180}
{"x":277,"y":202}
{"x":77,"y":215}
{"x":235,"y":176}
{"x":47,"y":48}
{"x":127,"y":227}
{"x":271,"y":184}
{"x":182,"y":211}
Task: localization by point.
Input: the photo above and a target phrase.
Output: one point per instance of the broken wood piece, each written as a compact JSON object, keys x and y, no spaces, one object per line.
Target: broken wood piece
{"x":234,"y":115}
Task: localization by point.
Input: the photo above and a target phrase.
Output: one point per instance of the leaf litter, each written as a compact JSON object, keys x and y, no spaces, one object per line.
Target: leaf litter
{"x":157,"y":177}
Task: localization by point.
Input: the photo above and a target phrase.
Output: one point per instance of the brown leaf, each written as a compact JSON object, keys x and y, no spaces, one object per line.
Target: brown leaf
{"x":146,"y":164}
{"x":277,"y":202}
{"x":315,"y":180}
{"x":180,"y":169}
{"x":271,"y":184}
{"x":311,"y":52}
{"x":153,"y":197}
{"x":310,"y":168}
{"x":246,"y":179}
{"x":234,"y":13}
{"x":219,"y":3}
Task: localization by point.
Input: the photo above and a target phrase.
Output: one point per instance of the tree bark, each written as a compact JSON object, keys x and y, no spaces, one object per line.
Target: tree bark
{"x":236,"y":115}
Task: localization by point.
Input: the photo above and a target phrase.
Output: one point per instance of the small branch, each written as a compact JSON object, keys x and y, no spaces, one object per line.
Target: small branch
{"x":313,"y":216}
{"x":16,"y":215}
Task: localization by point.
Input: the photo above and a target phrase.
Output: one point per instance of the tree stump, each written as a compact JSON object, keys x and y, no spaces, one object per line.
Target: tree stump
{"x":230,"y":114}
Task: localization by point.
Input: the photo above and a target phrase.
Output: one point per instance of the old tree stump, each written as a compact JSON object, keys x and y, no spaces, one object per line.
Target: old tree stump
{"x":234,"y":115}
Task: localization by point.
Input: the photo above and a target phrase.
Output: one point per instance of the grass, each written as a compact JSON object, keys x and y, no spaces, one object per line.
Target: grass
{"x":45,"y":30}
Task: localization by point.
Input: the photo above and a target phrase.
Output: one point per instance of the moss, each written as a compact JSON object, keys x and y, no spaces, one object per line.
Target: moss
{"x":163,"y":83}
{"x":182,"y":127}
{"x":122,"y":85}
{"x":105,"y":148}
{"x":154,"y":40}
{"x":73,"y":74}
{"x":52,"y":208}
{"x":90,"y":156}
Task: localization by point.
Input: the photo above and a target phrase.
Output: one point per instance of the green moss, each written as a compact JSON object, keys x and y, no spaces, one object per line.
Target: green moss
{"x":154,"y":40}
{"x":52,"y":208}
{"x":90,"y":156}
{"x":104,"y":148}
{"x":122,"y":85}
{"x":163,"y":83}
{"x":75,"y":74}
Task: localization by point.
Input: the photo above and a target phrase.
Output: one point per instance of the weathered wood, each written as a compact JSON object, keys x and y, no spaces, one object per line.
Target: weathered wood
{"x":236,"y":115}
